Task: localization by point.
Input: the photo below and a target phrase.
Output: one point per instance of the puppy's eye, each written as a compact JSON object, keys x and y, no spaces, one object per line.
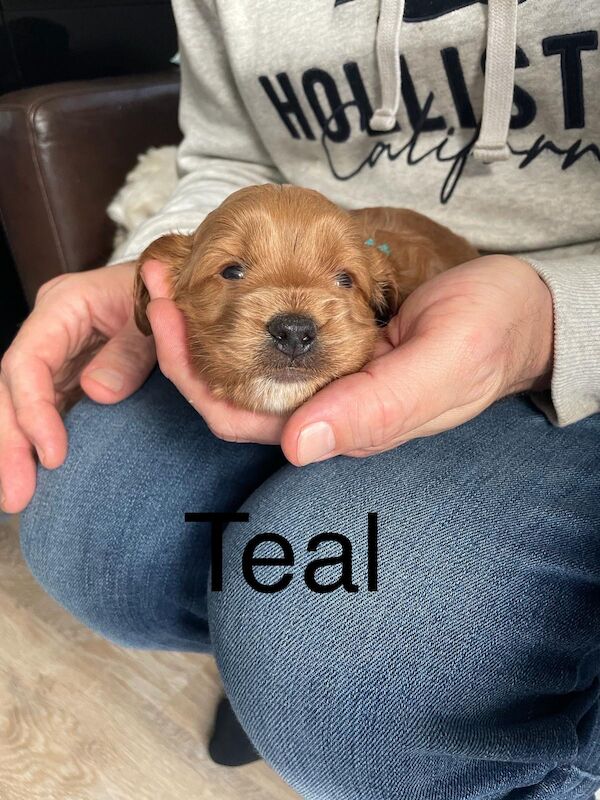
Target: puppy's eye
{"x":234,"y":272}
{"x":344,"y":280}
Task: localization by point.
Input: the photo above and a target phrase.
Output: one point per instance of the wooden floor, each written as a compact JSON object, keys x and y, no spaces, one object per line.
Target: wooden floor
{"x":82,"y":719}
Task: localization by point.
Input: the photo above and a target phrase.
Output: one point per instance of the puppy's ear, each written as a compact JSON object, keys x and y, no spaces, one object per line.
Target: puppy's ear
{"x":385,"y":297}
{"x":173,"y":250}
{"x":412,"y":260}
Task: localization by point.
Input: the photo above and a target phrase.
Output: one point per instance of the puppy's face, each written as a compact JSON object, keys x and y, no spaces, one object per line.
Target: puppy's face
{"x":279,"y":293}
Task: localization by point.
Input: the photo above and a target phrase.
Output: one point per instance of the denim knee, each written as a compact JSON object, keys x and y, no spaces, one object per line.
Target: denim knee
{"x":104,"y":534}
{"x":468,"y":671}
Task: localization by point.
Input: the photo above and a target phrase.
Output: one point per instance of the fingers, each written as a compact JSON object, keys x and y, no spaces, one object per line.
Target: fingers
{"x":120,"y":367}
{"x":41,"y":346}
{"x":32,"y":397}
{"x":29,"y":419}
{"x":376,"y":408}
{"x":156,"y":278}
{"x":17,"y":464}
{"x":225,"y":420}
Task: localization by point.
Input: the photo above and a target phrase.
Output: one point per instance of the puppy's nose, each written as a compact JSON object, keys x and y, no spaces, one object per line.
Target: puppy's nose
{"x":292,"y":334}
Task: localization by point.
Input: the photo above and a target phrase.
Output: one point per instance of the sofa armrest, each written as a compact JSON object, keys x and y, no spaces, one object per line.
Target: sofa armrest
{"x":65,"y":149}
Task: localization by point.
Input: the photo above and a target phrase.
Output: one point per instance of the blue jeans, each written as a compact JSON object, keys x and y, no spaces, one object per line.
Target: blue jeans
{"x":472,"y":672}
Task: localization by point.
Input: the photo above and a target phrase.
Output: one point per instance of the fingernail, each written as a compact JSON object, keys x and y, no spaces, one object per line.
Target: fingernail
{"x":315,"y":442}
{"x":107,"y":378}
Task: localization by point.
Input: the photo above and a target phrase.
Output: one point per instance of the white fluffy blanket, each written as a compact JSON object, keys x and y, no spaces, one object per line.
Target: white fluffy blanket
{"x":145,"y":191}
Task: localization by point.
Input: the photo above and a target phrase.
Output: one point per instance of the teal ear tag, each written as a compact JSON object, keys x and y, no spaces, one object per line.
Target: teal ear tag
{"x":384,"y":248}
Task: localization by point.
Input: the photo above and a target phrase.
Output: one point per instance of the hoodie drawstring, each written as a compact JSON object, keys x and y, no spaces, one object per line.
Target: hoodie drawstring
{"x":491,"y":144}
{"x":387,"y":48}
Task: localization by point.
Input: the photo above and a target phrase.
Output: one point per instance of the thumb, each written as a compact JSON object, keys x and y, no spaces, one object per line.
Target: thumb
{"x":120,"y":367}
{"x":372,"y":410}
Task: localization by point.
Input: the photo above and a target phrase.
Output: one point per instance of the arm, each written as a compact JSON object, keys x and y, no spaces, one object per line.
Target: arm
{"x":221,"y":150}
{"x":574,"y":284}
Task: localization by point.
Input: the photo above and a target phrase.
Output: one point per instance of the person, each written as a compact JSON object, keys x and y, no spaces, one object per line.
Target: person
{"x":473,"y":669}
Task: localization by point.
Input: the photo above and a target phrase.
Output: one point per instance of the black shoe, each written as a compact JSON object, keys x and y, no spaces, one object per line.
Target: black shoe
{"x":228,"y":744}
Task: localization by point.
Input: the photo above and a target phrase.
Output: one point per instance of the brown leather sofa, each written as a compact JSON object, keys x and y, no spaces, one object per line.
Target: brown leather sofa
{"x":65,"y":149}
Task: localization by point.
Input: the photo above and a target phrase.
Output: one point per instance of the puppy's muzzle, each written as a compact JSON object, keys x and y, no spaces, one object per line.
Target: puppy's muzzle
{"x":292,"y":334}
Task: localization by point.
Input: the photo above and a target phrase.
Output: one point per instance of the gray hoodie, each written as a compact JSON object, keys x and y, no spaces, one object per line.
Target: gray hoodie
{"x":395,"y":102}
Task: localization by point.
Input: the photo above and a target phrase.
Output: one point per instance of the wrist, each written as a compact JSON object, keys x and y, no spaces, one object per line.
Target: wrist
{"x":537,"y":348}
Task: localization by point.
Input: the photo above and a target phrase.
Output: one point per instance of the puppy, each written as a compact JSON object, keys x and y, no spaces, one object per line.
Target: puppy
{"x":283,"y":291}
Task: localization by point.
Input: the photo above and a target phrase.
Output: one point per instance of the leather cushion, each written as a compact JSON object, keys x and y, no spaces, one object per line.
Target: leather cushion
{"x":64,"y":151}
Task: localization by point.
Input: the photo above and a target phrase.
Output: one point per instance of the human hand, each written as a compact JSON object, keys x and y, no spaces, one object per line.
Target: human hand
{"x":80,"y":332}
{"x":473,"y":334}
{"x":225,"y":420}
